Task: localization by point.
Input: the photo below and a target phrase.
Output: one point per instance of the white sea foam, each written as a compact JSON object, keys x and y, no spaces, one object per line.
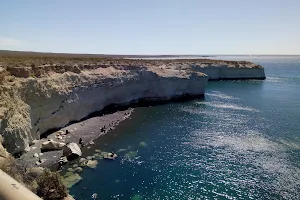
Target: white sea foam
{"x":252,"y":141}
{"x":228,"y":106}
{"x":192,"y":110}
{"x":220,"y":95}
{"x":274,"y":79}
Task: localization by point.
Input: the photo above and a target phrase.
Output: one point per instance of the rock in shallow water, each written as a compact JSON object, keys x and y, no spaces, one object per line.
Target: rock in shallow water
{"x":110,"y":156}
{"x":75,"y":165}
{"x":98,"y":156}
{"x":89,"y":158}
{"x":89,"y":163}
{"x":98,"y":150}
{"x":81,"y":160}
{"x":143,"y":144}
{"x":70,"y":169}
{"x":78,"y":169}
{"x":71,"y":180}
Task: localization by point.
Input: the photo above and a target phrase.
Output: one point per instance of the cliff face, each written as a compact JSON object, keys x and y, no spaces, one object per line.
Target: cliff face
{"x":37,"y":99}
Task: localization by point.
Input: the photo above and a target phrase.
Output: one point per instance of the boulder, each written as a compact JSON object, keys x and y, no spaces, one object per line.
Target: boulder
{"x":89,"y":158}
{"x":63,"y":160}
{"x":81,"y":160}
{"x":78,"y":169}
{"x":98,"y":150}
{"x":75,"y":165}
{"x":89,"y":163}
{"x":98,"y":156}
{"x":52,"y":145}
{"x":72,"y":151}
{"x":110,"y":156}
{"x":70,"y":169}
{"x":60,"y":133}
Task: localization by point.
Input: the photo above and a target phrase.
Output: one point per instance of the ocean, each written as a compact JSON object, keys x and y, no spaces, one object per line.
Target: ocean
{"x":241,"y":141}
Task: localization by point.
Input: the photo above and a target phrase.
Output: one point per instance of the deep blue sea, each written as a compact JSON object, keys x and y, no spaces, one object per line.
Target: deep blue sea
{"x":241,"y":141}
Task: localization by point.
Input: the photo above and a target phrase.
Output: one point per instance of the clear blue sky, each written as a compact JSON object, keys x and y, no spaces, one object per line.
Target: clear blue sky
{"x":151,"y":26}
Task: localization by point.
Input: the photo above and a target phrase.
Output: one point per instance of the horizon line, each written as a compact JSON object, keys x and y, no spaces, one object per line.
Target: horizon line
{"x":152,"y":55}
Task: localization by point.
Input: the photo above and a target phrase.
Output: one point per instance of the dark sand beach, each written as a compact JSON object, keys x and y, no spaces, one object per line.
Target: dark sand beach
{"x":88,"y":130}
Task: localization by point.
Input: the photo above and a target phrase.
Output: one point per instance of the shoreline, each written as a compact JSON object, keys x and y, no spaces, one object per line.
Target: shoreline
{"x":89,"y":129}
{"x":66,"y":90}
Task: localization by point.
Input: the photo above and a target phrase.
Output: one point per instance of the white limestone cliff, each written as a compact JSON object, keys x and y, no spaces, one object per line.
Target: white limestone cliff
{"x":32,"y":106}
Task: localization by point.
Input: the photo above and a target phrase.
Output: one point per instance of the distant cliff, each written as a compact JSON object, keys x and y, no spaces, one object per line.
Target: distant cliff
{"x":36,"y":97}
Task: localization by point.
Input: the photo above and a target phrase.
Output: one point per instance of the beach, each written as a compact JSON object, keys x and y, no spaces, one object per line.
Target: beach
{"x":88,"y":130}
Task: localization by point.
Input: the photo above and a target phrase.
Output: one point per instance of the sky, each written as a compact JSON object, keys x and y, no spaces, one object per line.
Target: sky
{"x":151,"y":26}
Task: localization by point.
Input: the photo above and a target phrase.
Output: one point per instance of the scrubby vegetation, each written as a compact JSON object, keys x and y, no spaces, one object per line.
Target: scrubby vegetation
{"x":43,"y":182}
{"x":50,"y":186}
{"x":35,"y":60}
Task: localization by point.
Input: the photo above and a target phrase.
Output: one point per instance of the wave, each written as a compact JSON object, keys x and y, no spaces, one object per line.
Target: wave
{"x":193,"y":110}
{"x":220,"y":95}
{"x":228,"y":106}
{"x":277,"y":79}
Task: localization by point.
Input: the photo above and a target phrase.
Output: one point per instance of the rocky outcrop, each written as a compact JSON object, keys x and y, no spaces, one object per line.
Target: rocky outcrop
{"x":46,"y":97}
{"x":234,"y":71}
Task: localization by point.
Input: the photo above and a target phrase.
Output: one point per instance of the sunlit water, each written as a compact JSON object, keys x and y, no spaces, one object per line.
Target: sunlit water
{"x":242,"y":141}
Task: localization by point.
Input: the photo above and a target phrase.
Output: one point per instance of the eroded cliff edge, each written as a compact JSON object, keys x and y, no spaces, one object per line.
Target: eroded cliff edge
{"x":37,"y":97}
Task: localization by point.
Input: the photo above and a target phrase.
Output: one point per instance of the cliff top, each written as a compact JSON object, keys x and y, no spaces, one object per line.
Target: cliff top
{"x":34,"y":64}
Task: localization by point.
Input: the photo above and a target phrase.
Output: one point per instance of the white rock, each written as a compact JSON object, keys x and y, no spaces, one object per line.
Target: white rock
{"x":90,"y":163}
{"x":72,"y":150}
{"x":52,"y":145}
{"x":61,"y":132}
{"x":89,"y":158}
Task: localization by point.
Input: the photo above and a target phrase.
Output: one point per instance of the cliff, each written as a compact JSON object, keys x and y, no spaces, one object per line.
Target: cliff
{"x":43,"y":94}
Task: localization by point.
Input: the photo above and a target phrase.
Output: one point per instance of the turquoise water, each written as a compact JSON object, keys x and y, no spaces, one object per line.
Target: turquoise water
{"x":242,"y":141}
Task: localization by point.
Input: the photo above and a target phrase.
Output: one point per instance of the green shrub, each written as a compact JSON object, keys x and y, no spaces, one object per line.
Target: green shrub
{"x":50,"y":186}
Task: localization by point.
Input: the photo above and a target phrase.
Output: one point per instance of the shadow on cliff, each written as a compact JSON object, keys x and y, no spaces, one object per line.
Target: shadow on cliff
{"x":143,"y":102}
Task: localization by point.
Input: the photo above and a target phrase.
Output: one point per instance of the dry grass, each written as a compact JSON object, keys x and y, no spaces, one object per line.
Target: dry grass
{"x":36,"y":59}
{"x":38,"y":65}
{"x":46,"y":184}
{"x":14,"y":169}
